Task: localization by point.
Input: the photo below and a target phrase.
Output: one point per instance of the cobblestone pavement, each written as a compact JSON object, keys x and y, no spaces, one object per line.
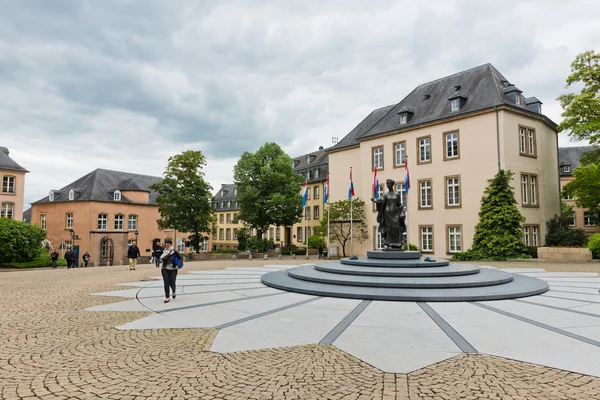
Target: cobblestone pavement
{"x":53,"y":349}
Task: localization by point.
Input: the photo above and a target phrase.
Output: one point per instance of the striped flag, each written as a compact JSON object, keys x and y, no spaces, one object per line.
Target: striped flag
{"x":351,"y":187}
{"x":375,"y":184}
{"x":305,"y":193}
{"x":406,"y":177}
{"x":326,"y":191}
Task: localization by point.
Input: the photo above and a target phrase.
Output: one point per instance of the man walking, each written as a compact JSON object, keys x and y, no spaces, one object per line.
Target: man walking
{"x":158,"y":251}
{"x":69,"y":257}
{"x":133,"y":253}
{"x":54,"y":257}
{"x":86,"y":259}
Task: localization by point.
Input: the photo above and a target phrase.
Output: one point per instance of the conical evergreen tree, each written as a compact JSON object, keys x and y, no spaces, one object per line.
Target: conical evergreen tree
{"x":499,"y":233}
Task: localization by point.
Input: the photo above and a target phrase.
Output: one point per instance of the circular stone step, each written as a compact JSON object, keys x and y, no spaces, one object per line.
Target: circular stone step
{"x":520,"y":286}
{"x":450,"y":270}
{"x":370,"y":262}
{"x":485,"y":277}
{"x":394,"y":254}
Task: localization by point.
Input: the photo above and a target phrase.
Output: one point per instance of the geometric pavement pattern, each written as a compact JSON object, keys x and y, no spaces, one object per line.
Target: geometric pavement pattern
{"x":54,"y":349}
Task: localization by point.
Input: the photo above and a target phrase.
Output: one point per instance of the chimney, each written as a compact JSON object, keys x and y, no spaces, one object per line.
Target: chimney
{"x":5,"y":150}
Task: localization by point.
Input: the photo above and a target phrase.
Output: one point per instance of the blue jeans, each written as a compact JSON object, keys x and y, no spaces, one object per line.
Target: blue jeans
{"x":157,"y":261}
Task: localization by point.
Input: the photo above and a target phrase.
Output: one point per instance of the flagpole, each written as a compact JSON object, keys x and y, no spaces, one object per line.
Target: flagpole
{"x":406,"y":205}
{"x":327,"y":202}
{"x":306,"y":228}
{"x":351,"y":198}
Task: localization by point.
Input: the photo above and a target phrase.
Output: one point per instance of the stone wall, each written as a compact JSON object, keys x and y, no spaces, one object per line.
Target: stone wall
{"x":562,"y":254}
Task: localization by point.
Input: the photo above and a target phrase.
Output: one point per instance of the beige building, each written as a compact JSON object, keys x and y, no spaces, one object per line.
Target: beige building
{"x":454,"y":133}
{"x":12,"y":193}
{"x":314,"y":167}
{"x":569,"y":160}
{"x":102,"y":213}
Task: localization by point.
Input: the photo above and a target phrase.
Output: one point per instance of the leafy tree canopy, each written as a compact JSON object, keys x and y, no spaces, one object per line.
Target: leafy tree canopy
{"x":581,"y":111}
{"x":268,"y":189}
{"x":499,"y":232}
{"x":339,"y":222}
{"x":185,"y":198}
{"x":19,"y":241}
{"x":586,"y":188}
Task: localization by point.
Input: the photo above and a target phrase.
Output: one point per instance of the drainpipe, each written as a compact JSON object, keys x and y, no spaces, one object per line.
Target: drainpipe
{"x":497,"y":136}
{"x":558,"y":169}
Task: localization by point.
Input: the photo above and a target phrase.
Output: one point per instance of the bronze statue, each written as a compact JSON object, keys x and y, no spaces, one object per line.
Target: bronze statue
{"x":391,"y":217}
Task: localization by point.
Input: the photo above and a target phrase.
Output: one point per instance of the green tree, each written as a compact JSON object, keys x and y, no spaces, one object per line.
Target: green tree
{"x":585,"y":188}
{"x":242,"y":238}
{"x":19,"y":241}
{"x":184,"y":197}
{"x":316,"y":241}
{"x":339,"y":222}
{"x":499,"y":232}
{"x":267,"y":188}
{"x":581,"y":111}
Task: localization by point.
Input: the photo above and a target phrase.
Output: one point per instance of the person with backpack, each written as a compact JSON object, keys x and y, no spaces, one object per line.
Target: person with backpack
{"x":171,"y":261}
{"x":54,"y":257}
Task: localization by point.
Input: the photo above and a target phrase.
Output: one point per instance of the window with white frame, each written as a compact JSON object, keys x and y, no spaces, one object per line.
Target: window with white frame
{"x":228,"y":219}
{"x":204,"y":245}
{"x":221,"y":234}
{"x":455,"y":104}
{"x":130,"y":242}
{"x":453,"y":191}
{"x":278,"y":234}
{"x":308,"y":175}
{"x":102,"y":222}
{"x":7,"y":210}
{"x":572,"y":219}
{"x":316,"y":212}
{"x":299,"y":234}
{"x":426,"y":238}
{"x":317,"y":173}
{"x":527,"y":142}
{"x":425,"y":150}
{"x":228,"y":203}
{"x":228,"y":234}
{"x":399,"y":153}
{"x":180,"y":245}
{"x":119,"y":219}
{"x":587,"y":219}
{"x":529,"y":190}
{"x":425,"y":194}
{"x":43,"y":221}
{"x":51,"y":196}
{"x":316,"y":193}
{"x":380,"y":190}
{"x":451,"y":140}
{"x":132,"y":223}
{"x":307,"y":212}
{"x":235,"y":191}
{"x":68,"y":244}
{"x":221,"y":218}
{"x":8,"y":184}
{"x":222,"y":204}
{"x":69,"y":220}
{"x":567,"y":168}
{"x":235,"y":233}
{"x":117,"y":196}
{"x":400,"y":189}
{"x":454,"y":239}
{"x":403,"y":118}
{"x":527,"y":235}
{"x":378,"y":240}
{"x":378,"y":157}
{"x":530,"y":142}
{"x":522,"y":143}
{"x":531,"y":235}
{"x":71,"y":194}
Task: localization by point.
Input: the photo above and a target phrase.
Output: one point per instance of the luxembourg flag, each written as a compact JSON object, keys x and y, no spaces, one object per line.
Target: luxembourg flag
{"x":305,"y":193}
{"x":351,"y":187}
{"x":406,"y":177}
{"x":375,"y":184}
{"x":326,"y":191}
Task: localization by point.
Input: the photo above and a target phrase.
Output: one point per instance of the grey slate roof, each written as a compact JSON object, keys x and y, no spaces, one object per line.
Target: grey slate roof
{"x":8,"y":163}
{"x":319,"y":160}
{"x":362,"y":127}
{"x":226,"y":193}
{"x":571,"y":156}
{"x":100,"y":185}
{"x":27,"y":215}
{"x":482,"y":87}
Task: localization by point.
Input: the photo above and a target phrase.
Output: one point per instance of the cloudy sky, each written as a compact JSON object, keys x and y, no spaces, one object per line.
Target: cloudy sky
{"x":124,"y":84}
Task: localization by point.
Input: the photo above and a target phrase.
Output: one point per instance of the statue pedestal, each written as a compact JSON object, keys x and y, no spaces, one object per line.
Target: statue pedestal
{"x":394,"y":254}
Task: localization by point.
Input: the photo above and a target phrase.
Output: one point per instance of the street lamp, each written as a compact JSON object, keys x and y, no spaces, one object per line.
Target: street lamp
{"x":136,"y":236}
{"x":75,"y":259}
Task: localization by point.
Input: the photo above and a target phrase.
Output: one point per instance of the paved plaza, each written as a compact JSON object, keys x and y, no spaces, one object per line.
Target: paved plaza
{"x":105,"y":333}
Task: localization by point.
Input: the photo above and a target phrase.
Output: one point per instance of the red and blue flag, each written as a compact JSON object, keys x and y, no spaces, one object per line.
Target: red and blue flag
{"x":351,"y":187}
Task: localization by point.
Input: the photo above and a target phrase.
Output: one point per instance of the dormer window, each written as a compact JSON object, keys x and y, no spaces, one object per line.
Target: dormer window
{"x":51,"y":196}
{"x":403,"y":119}
{"x":71,"y":194}
{"x":455,"y":105}
{"x":540,"y":108}
{"x":316,"y":173}
{"x":228,"y":204}
{"x":405,"y":115}
{"x":567,"y":168}
{"x":518,"y":99}
{"x":307,"y":174}
{"x":308,"y":159}
{"x":235,"y":191}
{"x":117,"y":196}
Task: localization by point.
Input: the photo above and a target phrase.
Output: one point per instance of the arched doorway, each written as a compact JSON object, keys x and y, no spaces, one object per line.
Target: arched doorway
{"x":107,"y":251}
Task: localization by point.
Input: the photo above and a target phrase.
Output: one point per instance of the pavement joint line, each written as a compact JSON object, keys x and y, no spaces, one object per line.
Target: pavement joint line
{"x":456,"y":337}
{"x":214,"y":303}
{"x":539,"y":324}
{"x":210,"y":291}
{"x":558,"y":308}
{"x":588,"y":302}
{"x":573,"y":287}
{"x":138,"y":299}
{"x":345,"y":323}
{"x":569,"y":291}
{"x":265,"y":313}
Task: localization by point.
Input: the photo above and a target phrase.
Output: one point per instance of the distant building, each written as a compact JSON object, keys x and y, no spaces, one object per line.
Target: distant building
{"x":569,"y":159}
{"x":12,"y":193}
{"x":454,"y":133}
{"x":226,"y":212}
{"x":107,"y":210}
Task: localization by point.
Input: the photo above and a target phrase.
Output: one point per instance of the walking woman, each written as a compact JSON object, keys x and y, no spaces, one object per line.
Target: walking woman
{"x":169,"y":269}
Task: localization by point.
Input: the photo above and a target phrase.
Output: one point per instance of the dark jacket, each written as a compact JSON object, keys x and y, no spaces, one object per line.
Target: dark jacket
{"x":54,"y":255}
{"x":86,"y":257}
{"x":69,"y":255}
{"x":158,"y":251}
{"x":133,"y":252}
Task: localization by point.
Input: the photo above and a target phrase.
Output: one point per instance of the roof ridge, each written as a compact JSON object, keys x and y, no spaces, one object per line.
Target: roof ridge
{"x":451,"y":75}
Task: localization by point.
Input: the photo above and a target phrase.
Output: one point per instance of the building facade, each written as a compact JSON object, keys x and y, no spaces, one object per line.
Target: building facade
{"x":102,"y":213}
{"x":12,"y":193}
{"x":569,"y":158}
{"x":453,"y":134}
{"x":314,"y":167}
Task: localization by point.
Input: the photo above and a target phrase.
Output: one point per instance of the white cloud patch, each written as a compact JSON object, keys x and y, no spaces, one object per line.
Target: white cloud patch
{"x":124,"y":85}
